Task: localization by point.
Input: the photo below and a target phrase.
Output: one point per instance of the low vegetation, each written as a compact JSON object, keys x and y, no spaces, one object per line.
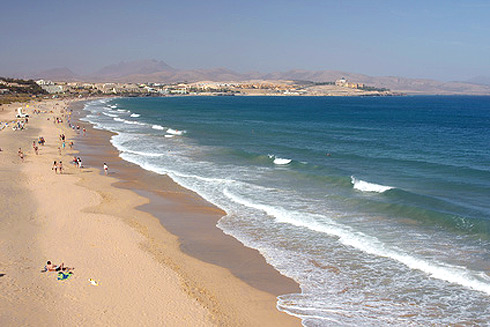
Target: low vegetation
{"x":18,"y":90}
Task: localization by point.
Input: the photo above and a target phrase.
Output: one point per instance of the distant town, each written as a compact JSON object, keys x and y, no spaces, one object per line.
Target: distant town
{"x":18,"y":88}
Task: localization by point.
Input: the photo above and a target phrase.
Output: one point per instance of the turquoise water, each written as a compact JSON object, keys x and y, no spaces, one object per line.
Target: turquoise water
{"x":378,"y":207}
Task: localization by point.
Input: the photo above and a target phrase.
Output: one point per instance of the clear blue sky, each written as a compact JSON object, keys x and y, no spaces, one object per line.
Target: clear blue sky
{"x":445,"y":40}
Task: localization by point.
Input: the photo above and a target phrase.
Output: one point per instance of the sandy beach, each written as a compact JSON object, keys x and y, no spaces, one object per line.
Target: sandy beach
{"x":108,"y":228}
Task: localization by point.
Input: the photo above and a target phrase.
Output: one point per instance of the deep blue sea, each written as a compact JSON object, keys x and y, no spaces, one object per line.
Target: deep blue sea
{"x":378,"y":207}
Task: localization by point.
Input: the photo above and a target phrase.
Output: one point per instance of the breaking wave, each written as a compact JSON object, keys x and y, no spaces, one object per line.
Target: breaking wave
{"x":364,"y":186}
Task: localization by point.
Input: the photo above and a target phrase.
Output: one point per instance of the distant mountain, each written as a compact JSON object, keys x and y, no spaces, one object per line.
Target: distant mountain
{"x":484,"y":80}
{"x":57,"y":74}
{"x":123,"y":69}
{"x":216,"y":74}
{"x":157,"y":71}
{"x":400,"y":84}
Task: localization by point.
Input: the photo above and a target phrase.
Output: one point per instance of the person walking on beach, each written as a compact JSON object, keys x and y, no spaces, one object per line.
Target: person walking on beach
{"x":21,"y":154}
{"x":55,"y":167}
{"x":106,"y":169}
{"x":60,"y":167}
{"x":34,"y":146}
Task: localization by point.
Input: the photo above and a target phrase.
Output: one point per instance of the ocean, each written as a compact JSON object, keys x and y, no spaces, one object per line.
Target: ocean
{"x":378,"y":207}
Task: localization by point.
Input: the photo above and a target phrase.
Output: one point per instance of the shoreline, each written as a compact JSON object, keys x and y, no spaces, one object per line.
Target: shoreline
{"x":198,"y":234}
{"x":81,"y":219}
{"x":256,"y":283}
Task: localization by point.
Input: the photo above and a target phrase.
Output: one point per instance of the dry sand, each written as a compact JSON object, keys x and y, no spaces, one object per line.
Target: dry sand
{"x":81,"y":219}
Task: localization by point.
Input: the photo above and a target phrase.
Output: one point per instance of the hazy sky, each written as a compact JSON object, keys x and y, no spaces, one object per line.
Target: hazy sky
{"x":445,"y":40}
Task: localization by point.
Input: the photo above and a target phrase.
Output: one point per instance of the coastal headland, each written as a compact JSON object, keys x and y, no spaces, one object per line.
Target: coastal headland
{"x":145,"y":251}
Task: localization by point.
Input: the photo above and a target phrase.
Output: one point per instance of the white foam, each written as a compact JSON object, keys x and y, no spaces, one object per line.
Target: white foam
{"x":145,"y":154}
{"x":175,"y":131}
{"x":364,"y":186}
{"x":281,"y":161}
{"x":169,"y":135}
{"x":369,"y":244}
{"x":135,"y":115}
{"x":158,"y":127}
{"x":130,"y":122}
{"x":109,"y":115}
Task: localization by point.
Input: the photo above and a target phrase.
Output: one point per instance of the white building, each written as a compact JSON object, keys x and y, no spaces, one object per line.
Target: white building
{"x":51,"y":89}
{"x":42,"y":82}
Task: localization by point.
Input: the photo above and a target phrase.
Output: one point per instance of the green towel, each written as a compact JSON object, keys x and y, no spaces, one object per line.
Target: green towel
{"x":63,"y":276}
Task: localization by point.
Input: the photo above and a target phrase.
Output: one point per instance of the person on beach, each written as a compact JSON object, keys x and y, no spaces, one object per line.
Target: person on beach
{"x":106,"y":169}
{"x":59,"y":151}
{"x":34,"y":147}
{"x":21,"y":154}
{"x":60,"y":167}
{"x":79,"y":162}
{"x":55,"y":167}
{"x":52,"y":267}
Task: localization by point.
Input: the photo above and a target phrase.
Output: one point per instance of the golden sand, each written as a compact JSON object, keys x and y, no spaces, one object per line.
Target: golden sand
{"x":81,"y":219}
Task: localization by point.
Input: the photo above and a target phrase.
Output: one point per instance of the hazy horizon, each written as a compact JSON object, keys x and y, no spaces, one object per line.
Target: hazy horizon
{"x":442,"y":40}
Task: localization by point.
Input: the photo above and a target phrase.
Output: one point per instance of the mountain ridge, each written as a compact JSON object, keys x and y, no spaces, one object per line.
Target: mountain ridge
{"x":157,"y":71}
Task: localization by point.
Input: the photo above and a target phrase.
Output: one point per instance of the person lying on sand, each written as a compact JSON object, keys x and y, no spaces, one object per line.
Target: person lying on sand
{"x":52,"y":267}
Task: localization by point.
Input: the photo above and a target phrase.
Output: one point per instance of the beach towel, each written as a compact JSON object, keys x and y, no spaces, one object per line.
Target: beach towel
{"x":63,"y":276}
